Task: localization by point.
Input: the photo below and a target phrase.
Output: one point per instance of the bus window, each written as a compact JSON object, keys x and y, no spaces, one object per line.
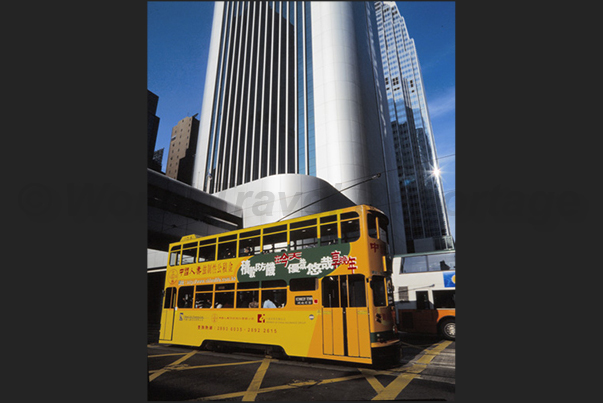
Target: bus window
{"x":249,"y":243}
{"x":302,"y":284}
{"x":350,"y":227}
{"x":189,"y":253}
{"x":356,"y":290}
{"x":175,"y":256}
{"x":422,"y":300}
{"x":379,"y":294}
{"x":303,"y":238}
{"x":371,"y":222}
{"x":248,"y":294}
{"x":203,"y":296}
{"x":185,"y":297}
{"x":330,"y":292}
{"x":443,"y":299}
{"x":227,"y":250}
{"x":224,"y":296}
{"x":442,"y":261}
{"x":413,"y":264}
{"x":207,"y":253}
{"x":328,"y":230}
{"x":170,"y":296}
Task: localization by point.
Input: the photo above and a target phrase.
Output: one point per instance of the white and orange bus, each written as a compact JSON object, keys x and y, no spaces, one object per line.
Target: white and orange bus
{"x":425,"y":288}
{"x":317,"y":286}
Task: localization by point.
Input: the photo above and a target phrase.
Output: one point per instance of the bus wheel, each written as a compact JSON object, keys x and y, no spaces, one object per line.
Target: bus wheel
{"x":448,"y":329}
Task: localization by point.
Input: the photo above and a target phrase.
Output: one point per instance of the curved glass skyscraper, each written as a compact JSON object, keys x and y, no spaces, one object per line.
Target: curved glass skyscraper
{"x":424,"y":206}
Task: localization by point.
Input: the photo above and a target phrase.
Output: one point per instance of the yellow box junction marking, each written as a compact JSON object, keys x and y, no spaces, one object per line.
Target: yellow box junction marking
{"x":389,"y":392}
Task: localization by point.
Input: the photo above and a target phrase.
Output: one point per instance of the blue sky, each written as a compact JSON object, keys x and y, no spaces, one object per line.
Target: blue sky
{"x":178,"y":35}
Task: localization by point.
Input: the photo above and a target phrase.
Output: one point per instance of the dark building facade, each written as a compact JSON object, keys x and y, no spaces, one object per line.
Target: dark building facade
{"x":152,"y":129}
{"x":183,"y":147}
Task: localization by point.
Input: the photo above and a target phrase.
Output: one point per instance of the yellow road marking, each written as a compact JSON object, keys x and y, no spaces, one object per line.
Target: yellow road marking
{"x":165,"y":369}
{"x":220,"y":365}
{"x":256,"y":382}
{"x":397,"y":385}
{"x":432,"y":352}
{"x":281,"y":387}
{"x":164,"y":355}
{"x":383,"y":393}
{"x":370,"y":377}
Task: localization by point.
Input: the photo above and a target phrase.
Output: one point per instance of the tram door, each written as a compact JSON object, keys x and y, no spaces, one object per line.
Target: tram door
{"x":345,"y":316}
{"x":167,"y":316}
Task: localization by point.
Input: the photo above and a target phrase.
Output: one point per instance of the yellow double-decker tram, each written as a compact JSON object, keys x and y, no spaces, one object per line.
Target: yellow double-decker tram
{"x":317,"y":286}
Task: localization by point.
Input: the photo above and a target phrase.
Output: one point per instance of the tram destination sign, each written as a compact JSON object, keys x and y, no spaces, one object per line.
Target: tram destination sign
{"x":304,"y":300}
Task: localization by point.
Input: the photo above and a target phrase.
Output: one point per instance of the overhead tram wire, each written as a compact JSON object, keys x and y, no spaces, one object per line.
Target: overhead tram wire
{"x":378,"y":175}
{"x":316,"y":201}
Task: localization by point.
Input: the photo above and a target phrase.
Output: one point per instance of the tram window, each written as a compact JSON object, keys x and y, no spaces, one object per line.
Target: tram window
{"x":390,"y":290}
{"x":249,"y":246}
{"x":227,"y":250}
{"x":170,"y":295}
{"x":248,"y":285}
{"x":207,"y":253}
{"x":175,"y":256}
{"x":248,"y":234}
{"x":277,"y":228}
{"x":379,"y":294}
{"x":350,"y":229}
{"x":275,"y":243}
{"x":343,"y":289}
{"x":301,"y":224}
{"x":371,"y":221}
{"x":224,"y":299}
{"x":211,"y":241}
{"x":328,"y":218}
{"x":328,"y":234}
{"x":274,"y":284}
{"x":189,"y":253}
{"x":203,"y":296}
{"x":356,"y":290}
{"x":185,"y":297}
{"x":383,"y":221}
{"x":330,"y":292}
{"x":302,"y":284}
{"x":350,"y":215}
{"x":303,"y":238}
{"x":248,"y":299}
{"x":278,"y":297}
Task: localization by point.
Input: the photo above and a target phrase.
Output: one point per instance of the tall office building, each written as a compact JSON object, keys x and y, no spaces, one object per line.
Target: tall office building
{"x":152,"y":129}
{"x":183,"y":146}
{"x":424,"y":206}
{"x":294,"y":116}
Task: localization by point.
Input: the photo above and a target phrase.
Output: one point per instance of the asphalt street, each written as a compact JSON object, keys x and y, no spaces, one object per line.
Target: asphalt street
{"x":426,"y":372}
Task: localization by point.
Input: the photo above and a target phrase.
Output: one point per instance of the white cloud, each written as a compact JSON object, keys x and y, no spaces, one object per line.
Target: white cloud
{"x":443,"y":103}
